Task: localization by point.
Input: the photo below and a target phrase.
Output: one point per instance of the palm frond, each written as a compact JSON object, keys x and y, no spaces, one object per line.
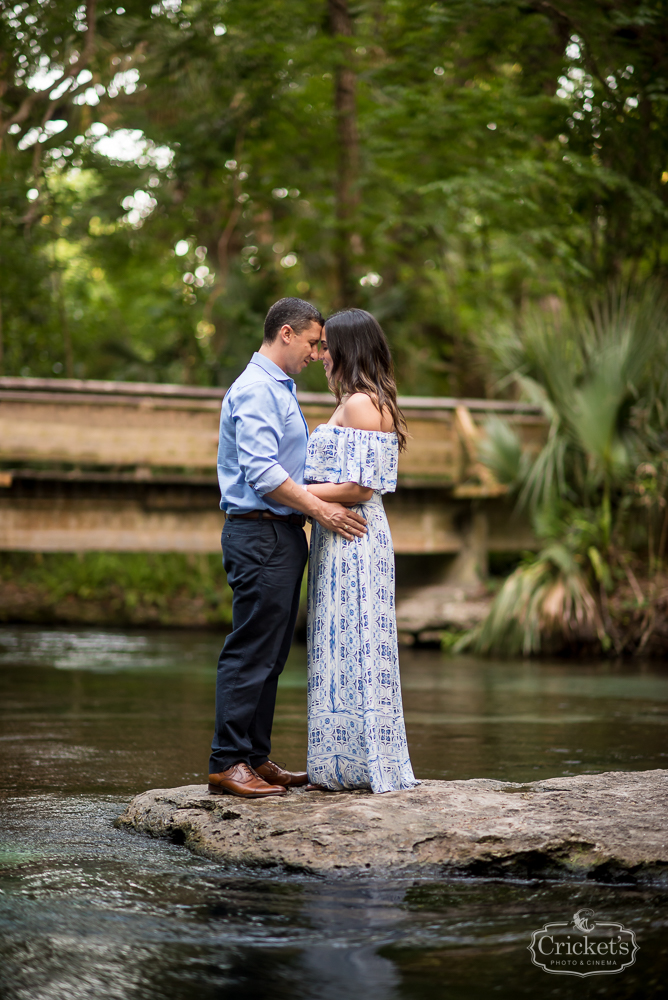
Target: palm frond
{"x":547,"y":596}
{"x":501,"y":451}
{"x":600,"y":375}
{"x":545,"y":478}
{"x":587,"y":369}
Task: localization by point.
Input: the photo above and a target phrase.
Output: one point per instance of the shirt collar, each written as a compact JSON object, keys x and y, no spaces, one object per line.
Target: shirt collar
{"x":271,"y":368}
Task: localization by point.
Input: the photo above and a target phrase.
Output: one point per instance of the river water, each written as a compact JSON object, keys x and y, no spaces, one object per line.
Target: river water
{"x":91,"y":717}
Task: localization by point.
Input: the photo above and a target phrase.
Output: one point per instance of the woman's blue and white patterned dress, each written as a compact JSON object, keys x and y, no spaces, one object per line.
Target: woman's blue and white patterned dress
{"x":356,"y":732}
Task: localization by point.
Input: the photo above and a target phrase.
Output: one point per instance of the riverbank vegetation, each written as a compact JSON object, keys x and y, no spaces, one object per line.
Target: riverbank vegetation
{"x":596,"y":490}
{"x":114,"y":589}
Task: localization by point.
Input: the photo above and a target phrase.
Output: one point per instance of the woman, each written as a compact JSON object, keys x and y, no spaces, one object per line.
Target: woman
{"x":357,"y":737}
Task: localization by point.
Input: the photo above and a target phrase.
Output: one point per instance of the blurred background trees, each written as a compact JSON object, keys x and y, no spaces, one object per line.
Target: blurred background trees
{"x":168,"y":170}
{"x":489,"y":177}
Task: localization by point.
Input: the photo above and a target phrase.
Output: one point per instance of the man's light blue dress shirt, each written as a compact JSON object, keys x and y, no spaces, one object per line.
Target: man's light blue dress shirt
{"x":263,"y":436}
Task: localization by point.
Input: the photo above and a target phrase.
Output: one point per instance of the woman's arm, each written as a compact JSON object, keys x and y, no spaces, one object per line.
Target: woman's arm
{"x":358,"y":412}
{"x":345,"y":493}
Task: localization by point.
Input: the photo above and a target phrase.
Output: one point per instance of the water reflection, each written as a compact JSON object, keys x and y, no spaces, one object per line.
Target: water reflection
{"x":525,"y":720}
{"x":90,"y":717}
{"x":94,"y":912}
{"x":114,"y":711}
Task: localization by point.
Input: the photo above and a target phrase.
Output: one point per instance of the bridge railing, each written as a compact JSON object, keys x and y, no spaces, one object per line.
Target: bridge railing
{"x":127,"y":466}
{"x":73,"y":426}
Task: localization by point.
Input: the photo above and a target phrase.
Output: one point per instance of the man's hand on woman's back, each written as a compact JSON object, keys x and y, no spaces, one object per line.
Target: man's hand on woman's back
{"x":333,"y":516}
{"x":341,"y":519}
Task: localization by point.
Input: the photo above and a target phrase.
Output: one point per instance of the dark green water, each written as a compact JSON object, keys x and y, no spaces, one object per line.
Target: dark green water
{"x":89,"y":718}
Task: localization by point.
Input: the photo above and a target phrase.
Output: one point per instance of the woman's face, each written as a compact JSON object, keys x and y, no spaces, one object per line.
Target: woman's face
{"x":325,"y":355}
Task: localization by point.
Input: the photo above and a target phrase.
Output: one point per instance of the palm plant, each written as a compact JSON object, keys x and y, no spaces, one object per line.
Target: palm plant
{"x":546,"y":598}
{"x":600,"y":376}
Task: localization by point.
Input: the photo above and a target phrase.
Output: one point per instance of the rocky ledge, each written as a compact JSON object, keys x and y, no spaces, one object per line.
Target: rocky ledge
{"x":610,"y":826}
{"x":424,"y":613}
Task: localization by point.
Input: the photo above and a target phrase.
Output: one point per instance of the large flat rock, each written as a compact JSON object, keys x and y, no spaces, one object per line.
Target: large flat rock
{"x":611,"y":826}
{"x":441,"y":606}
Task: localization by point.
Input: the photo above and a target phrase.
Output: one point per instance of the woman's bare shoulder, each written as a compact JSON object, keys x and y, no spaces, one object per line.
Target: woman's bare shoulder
{"x":360,"y":412}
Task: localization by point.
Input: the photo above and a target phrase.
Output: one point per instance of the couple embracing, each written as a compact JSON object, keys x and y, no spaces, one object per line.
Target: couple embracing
{"x":272,"y":477}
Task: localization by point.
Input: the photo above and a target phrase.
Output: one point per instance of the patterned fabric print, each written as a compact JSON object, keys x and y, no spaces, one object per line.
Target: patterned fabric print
{"x":357,"y":737}
{"x":346,"y":455}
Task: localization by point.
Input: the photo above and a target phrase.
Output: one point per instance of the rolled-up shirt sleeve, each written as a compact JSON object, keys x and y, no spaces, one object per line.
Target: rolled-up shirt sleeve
{"x":259,"y":419}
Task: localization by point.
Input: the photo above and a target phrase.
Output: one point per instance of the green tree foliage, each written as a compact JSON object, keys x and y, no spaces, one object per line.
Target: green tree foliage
{"x":168,"y":170}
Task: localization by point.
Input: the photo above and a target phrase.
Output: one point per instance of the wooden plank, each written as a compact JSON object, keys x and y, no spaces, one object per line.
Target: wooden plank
{"x":156,"y":432}
{"x":95,"y":399}
{"x":84,"y":525}
{"x":173,"y":391}
{"x":135,"y":435}
{"x":104,"y":387}
{"x":107,"y":436}
{"x":420,"y":522}
{"x":91,"y":524}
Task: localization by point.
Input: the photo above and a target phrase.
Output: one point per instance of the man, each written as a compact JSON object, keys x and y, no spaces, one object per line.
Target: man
{"x":261,"y":458}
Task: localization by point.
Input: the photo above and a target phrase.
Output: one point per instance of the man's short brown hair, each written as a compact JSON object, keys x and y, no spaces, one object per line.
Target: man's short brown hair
{"x":291,"y":312}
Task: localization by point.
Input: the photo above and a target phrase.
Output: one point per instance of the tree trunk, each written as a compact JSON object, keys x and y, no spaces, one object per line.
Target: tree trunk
{"x":67,"y":338}
{"x":64,"y":324}
{"x":347,"y":197}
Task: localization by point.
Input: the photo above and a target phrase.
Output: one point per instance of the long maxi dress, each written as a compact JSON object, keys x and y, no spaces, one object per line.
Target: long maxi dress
{"x":356,"y":731}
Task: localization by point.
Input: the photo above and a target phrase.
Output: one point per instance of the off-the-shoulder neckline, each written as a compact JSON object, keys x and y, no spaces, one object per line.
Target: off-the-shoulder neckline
{"x":336,"y":427}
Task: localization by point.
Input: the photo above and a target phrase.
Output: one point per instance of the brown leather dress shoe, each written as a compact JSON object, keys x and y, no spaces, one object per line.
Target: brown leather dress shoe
{"x":277,"y":776}
{"x":242,"y":780}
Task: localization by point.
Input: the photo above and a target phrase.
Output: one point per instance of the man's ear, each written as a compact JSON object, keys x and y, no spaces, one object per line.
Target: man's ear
{"x":285,"y":333}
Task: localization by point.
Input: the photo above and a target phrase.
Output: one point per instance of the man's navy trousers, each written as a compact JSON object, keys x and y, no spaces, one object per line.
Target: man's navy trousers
{"x":264,"y":561}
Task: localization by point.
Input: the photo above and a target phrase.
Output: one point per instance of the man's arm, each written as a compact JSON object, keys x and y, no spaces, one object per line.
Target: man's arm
{"x":332,"y":516}
{"x":258,"y":415}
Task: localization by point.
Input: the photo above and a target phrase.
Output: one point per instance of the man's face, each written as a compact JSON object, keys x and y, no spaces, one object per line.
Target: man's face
{"x":303,"y":348}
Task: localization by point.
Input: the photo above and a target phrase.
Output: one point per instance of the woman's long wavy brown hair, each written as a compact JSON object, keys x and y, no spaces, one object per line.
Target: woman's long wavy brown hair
{"x":361,"y":362}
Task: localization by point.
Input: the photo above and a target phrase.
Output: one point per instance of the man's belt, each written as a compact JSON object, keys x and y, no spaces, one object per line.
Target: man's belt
{"x":260,"y":515}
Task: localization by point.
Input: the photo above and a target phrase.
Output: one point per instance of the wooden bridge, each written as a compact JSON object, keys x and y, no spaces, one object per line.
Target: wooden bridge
{"x":126,"y":466}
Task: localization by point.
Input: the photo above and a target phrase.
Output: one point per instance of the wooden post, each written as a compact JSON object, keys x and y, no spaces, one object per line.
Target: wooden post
{"x":470,"y":566}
